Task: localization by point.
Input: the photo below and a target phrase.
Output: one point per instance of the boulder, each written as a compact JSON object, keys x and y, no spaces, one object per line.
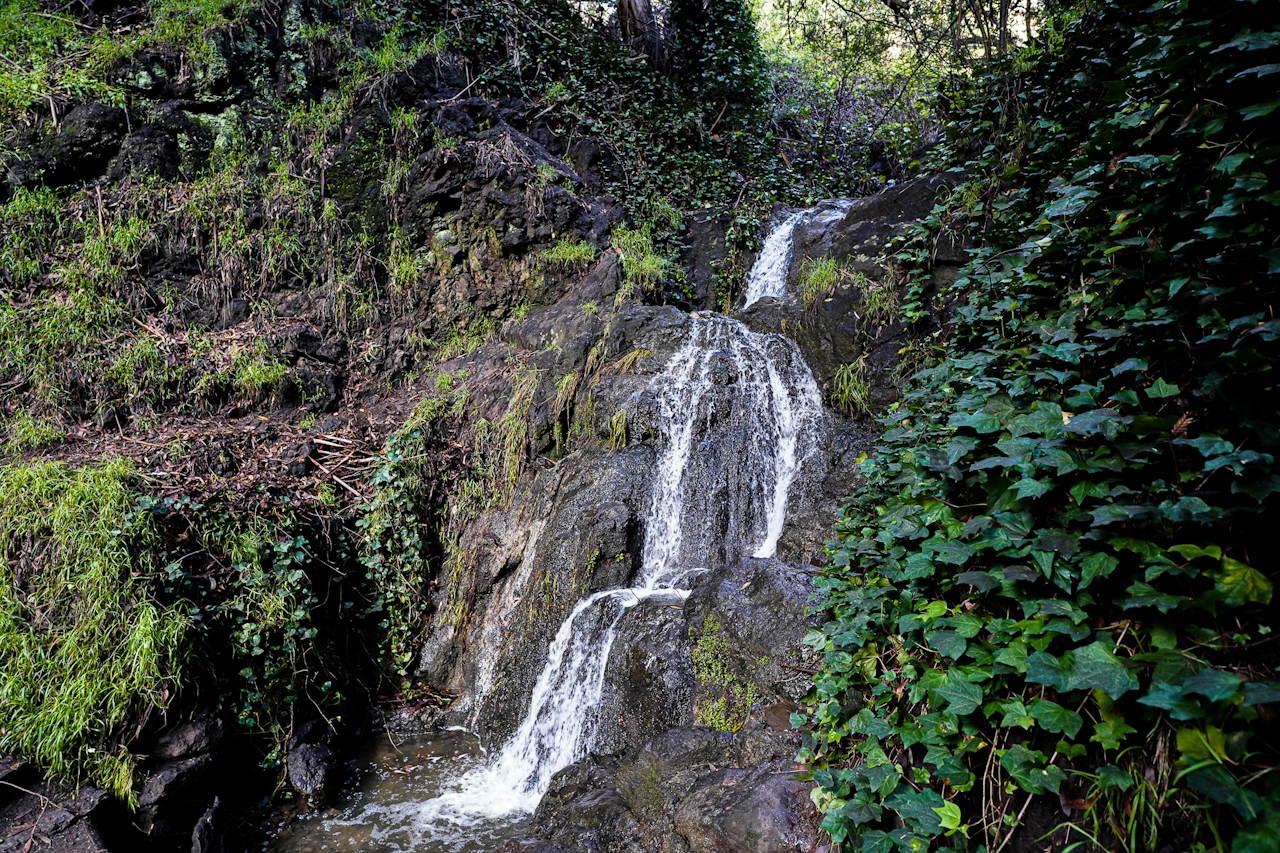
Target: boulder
{"x":309,"y":769}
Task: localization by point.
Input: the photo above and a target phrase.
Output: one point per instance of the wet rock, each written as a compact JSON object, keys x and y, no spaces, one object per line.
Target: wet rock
{"x":149,"y":151}
{"x":174,"y":779}
{"x":309,"y":769}
{"x":859,"y":236}
{"x":583,"y":812}
{"x":705,"y":253}
{"x":49,"y":817}
{"x":759,"y":809}
{"x":210,"y":834}
{"x":190,"y":739}
{"x":757,"y":608}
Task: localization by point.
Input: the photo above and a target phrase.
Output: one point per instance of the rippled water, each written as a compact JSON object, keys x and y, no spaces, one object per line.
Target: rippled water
{"x":379,"y":810}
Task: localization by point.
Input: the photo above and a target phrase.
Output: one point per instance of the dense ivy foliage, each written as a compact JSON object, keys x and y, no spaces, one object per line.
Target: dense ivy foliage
{"x":1049,"y":606}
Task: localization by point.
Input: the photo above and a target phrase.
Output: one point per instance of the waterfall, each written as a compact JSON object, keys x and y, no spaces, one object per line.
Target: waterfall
{"x":740,"y":413}
{"x":768,"y":276}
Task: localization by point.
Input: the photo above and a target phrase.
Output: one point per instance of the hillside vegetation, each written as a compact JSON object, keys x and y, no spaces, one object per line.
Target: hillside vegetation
{"x":1051,"y":611}
{"x":259,"y":268}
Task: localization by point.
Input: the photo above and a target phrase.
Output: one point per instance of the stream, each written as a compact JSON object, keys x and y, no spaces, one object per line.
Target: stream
{"x":740,"y":415}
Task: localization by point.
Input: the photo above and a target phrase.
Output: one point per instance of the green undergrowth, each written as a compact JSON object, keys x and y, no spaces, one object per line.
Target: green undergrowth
{"x":54,"y":55}
{"x":85,"y":646}
{"x":116,"y":605}
{"x":1050,"y":614}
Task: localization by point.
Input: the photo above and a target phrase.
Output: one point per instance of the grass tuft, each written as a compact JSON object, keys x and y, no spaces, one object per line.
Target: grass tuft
{"x":84,"y":648}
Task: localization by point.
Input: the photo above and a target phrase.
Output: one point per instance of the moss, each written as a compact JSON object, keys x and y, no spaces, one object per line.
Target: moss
{"x":643,"y":266}
{"x":818,"y":279}
{"x":714,"y":671}
{"x":83,"y":646}
{"x":142,"y":371}
{"x":617,"y":432}
{"x":569,"y":251}
{"x":26,"y":432}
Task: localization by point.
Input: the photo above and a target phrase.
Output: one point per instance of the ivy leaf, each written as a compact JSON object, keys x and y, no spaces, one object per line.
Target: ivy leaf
{"x":949,"y":551}
{"x":982,"y":581}
{"x":1145,"y":595}
{"x":1044,"y":668}
{"x":947,"y":643}
{"x":1110,"y":776}
{"x":1238,"y":584}
{"x":1217,"y":783}
{"x":1029,"y":488}
{"x":1215,"y":684}
{"x":1028,"y":769}
{"x":962,"y":696}
{"x":862,"y":808}
{"x":1111,"y":733}
{"x":919,"y":806}
{"x":1261,"y":692}
{"x":1015,"y":714}
{"x":1055,"y":718}
{"x":1172,"y":698}
{"x":1096,"y":565}
{"x":1095,"y":667}
{"x":1161,"y":389}
{"x":1263,"y":834}
{"x":949,"y":817}
{"x":981,"y":422}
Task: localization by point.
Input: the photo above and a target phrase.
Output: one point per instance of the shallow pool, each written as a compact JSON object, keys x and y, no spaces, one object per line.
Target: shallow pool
{"x":379,"y":809}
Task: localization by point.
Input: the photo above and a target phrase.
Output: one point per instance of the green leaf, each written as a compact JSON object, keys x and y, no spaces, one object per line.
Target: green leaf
{"x":1261,"y":692}
{"x":1161,"y":389}
{"x":1095,"y":667}
{"x":948,"y":817}
{"x":919,"y":806}
{"x":1028,"y":769}
{"x":1015,"y":714}
{"x":947,"y":643}
{"x":1263,"y":834}
{"x":1209,"y":744}
{"x":962,"y":697}
{"x":1217,"y":783}
{"x":1055,"y":718}
{"x":1096,"y":565}
{"x":1238,"y":584}
{"x":981,"y":422}
{"x":1111,"y":733}
{"x":1110,"y":776}
{"x":1029,"y":488}
{"x":1091,"y":667}
{"x":1215,"y":684}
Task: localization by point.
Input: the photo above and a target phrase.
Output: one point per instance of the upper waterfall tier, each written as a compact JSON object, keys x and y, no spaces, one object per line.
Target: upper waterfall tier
{"x":768,"y":276}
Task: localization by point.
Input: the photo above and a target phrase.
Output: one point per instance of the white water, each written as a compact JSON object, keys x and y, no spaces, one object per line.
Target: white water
{"x":768,"y":276}
{"x":740,"y":413}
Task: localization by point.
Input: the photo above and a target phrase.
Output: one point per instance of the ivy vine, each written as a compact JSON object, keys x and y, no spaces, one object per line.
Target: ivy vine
{"x":1051,"y":599}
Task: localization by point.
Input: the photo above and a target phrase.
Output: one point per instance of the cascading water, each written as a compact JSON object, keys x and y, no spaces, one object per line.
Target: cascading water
{"x":739,"y":413}
{"x":768,"y":277}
